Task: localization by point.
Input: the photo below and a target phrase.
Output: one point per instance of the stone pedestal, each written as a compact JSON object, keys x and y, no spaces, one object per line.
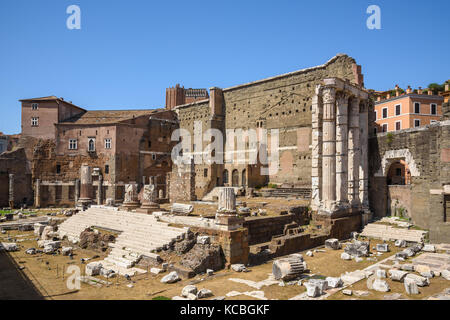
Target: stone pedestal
{"x":226,"y":217}
{"x":131,"y":197}
{"x":85,"y":186}
{"x":149,"y":198}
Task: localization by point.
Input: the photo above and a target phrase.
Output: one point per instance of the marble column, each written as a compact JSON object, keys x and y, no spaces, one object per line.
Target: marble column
{"x":316,"y":143}
{"x":37,"y":193}
{"x":227,"y":200}
{"x":342,"y":149}
{"x":329,"y":149}
{"x":226,"y":217}
{"x":85,"y":185}
{"x":77,"y":190}
{"x":364,"y":163}
{"x":11,"y":190}
{"x":353,"y":153}
{"x":149,"y":198}
{"x":100,"y":190}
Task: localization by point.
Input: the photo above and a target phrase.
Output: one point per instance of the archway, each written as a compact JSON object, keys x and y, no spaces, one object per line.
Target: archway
{"x":398,"y":173}
{"x":225,"y":176}
{"x":235,"y":178}
{"x":244,"y":178}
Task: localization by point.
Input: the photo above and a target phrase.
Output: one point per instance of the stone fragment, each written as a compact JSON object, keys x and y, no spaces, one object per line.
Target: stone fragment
{"x":357,"y":248}
{"x":380,"y":273}
{"x":409,"y":252}
{"x":30,"y":251}
{"x":310,"y":253}
{"x":288,"y":268}
{"x":397,"y":275}
{"x":401,"y":255}
{"x":411,"y":286}
{"x":204,"y":256}
{"x":47,"y":233}
{"x":312,"y":290}
{"x":407,"y":267}
{"x":381,"y":285}
{"x":428,"y":274}
{"x":420,"y":281}
{"x":179,"y":298}
{"x":238,"y":267}
{"x":333,"y":244}
{"x":445,"y":274}
{"x":429,"y":248}
{"x":93,"y":268}
{"x":204,"y":293}
{"x":400,"y":243}
{"x":203,"y":239}
{"x":345,"y":256}
{"x":421,"y":268}
{"x":334,"y":282}
{"x":66,"y":251}
{"x":9,"y":246}
{"x":382,"y":247}
{"x":107,"y":273}
{"x":171,"y":277}
{"x":347,"y":292}
{"x":189,"y":289}
{"x":358,"y":259}
{"x":156,"y":270}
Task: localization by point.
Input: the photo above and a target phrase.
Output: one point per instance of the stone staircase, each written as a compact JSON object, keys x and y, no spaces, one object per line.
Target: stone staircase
{"x":385,"y":232}
{"x":140,"y":235}
{"x":215,"y":193}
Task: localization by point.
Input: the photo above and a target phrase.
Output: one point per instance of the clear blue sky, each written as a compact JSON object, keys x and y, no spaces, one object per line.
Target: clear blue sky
{"x":128,"y":52}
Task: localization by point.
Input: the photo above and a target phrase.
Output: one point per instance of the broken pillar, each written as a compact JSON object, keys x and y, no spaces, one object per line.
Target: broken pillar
{"x":131,"y":197}
{"x":226,"y":216}
{"x":85,"y":186}
{"x":11,"y":191}
{"x":149,"y":198}
{"x":37,"y":194}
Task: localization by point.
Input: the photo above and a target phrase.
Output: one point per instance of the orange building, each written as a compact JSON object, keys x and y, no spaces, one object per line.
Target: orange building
{"x":407,"y":110}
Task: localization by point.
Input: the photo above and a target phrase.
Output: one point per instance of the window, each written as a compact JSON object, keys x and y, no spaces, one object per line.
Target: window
{"x":91,"y":144}
{"x":154,"y":156}
{"x":416,"y":107}
{"x":376,"y":115}
{"x":149,"y":144}
{"x":398,"y":125}
{"x":108,"y":143}
{"x":34,"y":122}
{"x":385,"y":113}
{"x":58,"y":168}
{"x":385,"y":127}
{"x":73,"y":144}
{"x":398,"y":109}
{"x":34,"y":106}
{"x":433,"y":108}
{"x":416,"y":123}
{"x":106,"y":169}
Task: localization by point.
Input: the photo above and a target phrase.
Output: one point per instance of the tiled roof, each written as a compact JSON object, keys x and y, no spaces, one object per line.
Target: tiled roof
{"x":109,"y":116}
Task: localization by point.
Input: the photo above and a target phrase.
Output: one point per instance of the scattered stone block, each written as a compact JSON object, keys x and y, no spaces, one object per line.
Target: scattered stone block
{"x":347,"y":292}
{"x":31,"y":251}
{"x":429,"y":248}
{"x":421,"y":268}
{"x":428,"y":274}
{"x":445,"y":274}
{"x":346,"y":256}
{"x":10,"y":247}
{"x":312,"y":290}
{"x":380,"y":273}
{"x":334,"y":282}
{"x":107,"y":273}
{"x":381,"y":285}
{"x":93,"y":268}
{"x":156,"y":270}
{"x":400,"y":243}
{"x":310,"y":253}
{"x":409,"y":252}
{"x":171,"y":278}
{"x":288,"y":268}
{"x":357,"y":248}
{"x":204,"y":293}
{"x":407,"y":267}
{"x":397,"y":275}
{"x":66,"y":251}
{"x":382,"y":247}
{"x":358,"y":259}
{"x":420,"y":281}
{"x":411,"y":286}
{"x":209,"y":272}
{"x":238,"y":267}
{"x":333,"y":244}
{"x":189,"y":289}
{"x":203,"y":239}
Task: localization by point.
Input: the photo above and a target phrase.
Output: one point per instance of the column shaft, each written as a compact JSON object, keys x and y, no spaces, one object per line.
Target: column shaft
{"x":342,"y":149}
{"x":364,"y":164}
{"x":353,"y":153}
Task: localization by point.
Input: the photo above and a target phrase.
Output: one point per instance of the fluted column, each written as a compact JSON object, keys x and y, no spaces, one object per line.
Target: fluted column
{"x":364,"y":161}
{"x":329,"y":149}
{"x":85,"y":185}
{"x":353,"y":153}
{"x":37,"y":194}
{"x":100,"y":190}
{"x":227,"y":200}
{"x":342,"y":149}
{"x":316,"y":165}
{"x":11,"y":190}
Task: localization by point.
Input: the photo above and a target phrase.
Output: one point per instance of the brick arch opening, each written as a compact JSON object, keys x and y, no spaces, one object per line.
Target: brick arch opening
{"x":398,"y":173}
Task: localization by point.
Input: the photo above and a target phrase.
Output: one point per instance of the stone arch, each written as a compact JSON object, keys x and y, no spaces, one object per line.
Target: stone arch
{"x":392,"y":156}
{"x":235,"y":178}
{"x":225,"y":177}
{"x":398,"y":173}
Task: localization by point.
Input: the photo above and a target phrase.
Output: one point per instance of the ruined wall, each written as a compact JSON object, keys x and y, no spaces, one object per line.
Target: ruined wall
{"x":426,"y":151}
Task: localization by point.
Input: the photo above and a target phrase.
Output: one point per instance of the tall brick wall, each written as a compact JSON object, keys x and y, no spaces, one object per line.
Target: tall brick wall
{"x":428,"y":157}
{"x":283,"y":103}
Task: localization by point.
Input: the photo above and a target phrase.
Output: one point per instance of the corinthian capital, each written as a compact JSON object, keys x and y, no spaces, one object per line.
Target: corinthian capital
{"x":329,"y":95}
